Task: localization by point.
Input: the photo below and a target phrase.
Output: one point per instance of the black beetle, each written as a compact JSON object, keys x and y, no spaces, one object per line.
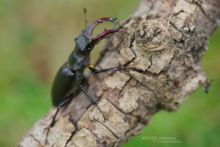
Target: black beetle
{"x":69,"y":79}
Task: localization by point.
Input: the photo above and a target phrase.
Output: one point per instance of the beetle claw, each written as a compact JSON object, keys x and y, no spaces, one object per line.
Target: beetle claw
{"x":89,"y":30}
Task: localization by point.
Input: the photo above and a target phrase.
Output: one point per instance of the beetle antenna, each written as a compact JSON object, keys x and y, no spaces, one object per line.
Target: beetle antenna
{"x":85,"y":16}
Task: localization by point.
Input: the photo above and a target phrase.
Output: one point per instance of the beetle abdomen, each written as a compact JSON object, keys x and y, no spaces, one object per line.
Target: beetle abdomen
{"x":63,"y":85}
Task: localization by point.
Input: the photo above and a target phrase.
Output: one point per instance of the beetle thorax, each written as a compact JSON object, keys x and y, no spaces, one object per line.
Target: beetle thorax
{"x":78,"y":61}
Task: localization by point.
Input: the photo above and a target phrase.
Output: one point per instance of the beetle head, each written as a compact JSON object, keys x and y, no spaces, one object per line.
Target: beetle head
{"x":85,"y":42}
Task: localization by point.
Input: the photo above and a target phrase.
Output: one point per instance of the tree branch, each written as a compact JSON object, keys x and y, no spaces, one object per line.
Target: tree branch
{"x":160,"y":48}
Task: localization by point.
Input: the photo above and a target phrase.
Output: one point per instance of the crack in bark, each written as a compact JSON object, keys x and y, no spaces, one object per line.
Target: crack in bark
{"x":151,"y":62}
{"x":120,"y":110}
{"x":72,"y":134}
{"x":175,"y":27}
{"x":122,"y":89}
{"x":132,"y":128}
{"x":97,"y":138}
{"x":199,"y":4}
{"x":76,"y":127}
{"x":126,"y":114}
{"x":35,"y":139}
{"x":177,"y":13}
{"x":145,"y":72}
{"x":151,"y":90}
{"x":104,"y":125}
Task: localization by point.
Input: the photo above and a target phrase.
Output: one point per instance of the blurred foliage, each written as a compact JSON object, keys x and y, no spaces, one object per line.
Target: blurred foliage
{"x":36,"y":38}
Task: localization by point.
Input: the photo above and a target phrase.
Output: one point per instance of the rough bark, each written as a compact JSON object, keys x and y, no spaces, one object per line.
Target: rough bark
{"x":160,"y":47}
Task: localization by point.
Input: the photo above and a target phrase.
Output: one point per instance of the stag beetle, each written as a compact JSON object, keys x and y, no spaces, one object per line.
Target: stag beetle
{"x":69,"y":80}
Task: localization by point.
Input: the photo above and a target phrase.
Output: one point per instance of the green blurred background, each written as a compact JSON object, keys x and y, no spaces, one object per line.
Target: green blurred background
{"x":36,"y":37}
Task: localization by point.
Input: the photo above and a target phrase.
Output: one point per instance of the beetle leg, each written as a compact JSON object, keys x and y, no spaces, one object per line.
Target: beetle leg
{"x":52,"y":123}
{"x":91,"y":99}
{"x":95,"y":70}
{"x":63,"y":103}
